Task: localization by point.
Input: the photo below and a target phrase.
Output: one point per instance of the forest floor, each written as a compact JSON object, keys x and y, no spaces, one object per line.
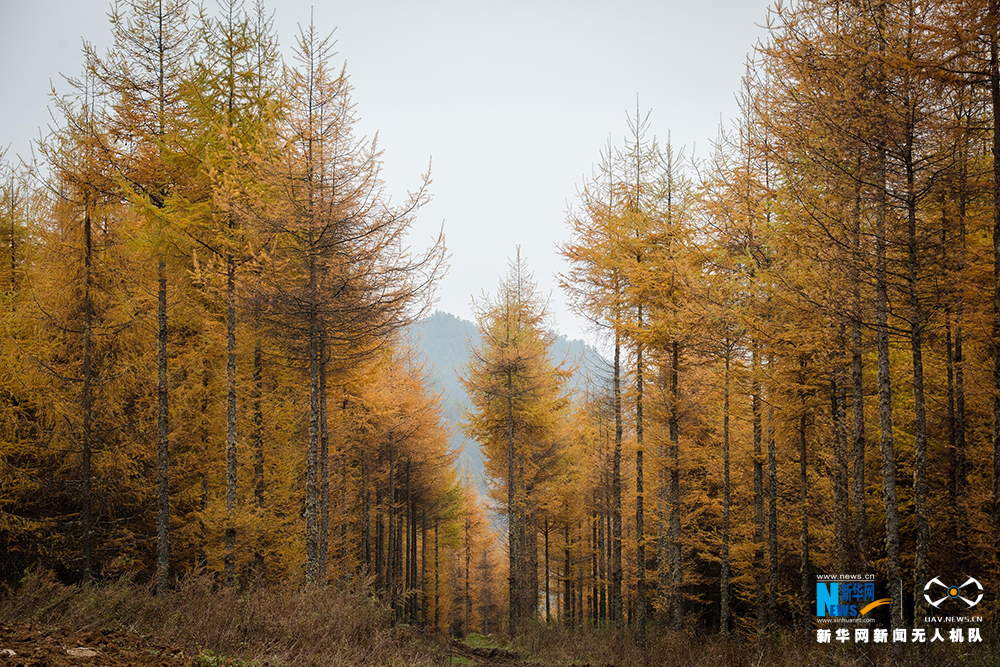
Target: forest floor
{"x":38,"y":646}
{"x":42,"y":645}
{"x":35,"y":646}
{"x":198,"y":624}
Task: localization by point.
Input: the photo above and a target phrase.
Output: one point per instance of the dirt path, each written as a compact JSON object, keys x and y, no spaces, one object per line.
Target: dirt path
{"x":496,"y":657}
{"x":34,"y":646}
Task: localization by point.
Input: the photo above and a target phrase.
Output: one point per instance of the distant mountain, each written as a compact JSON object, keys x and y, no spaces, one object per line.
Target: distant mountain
{"x":444,"y":341}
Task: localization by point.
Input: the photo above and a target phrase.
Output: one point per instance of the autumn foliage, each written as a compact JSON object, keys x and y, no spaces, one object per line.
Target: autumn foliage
{"x":205,"y":365}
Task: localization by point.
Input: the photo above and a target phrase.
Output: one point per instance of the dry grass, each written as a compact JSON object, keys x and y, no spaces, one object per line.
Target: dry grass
{"x":294,"y":626}
{"x":285,"y":625}
{"x":554,"y":646}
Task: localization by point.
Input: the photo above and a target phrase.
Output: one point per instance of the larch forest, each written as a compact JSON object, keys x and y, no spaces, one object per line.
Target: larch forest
{"x":212,"y":407}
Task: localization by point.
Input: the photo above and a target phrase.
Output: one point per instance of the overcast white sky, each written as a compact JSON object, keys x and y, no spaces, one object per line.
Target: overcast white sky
{"x":513,"y":100}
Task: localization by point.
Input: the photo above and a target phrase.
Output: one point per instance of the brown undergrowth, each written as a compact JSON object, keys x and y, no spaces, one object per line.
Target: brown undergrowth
{"x":555,"y":646}
{"x":279,"y":625}
{"x":201,"y":624}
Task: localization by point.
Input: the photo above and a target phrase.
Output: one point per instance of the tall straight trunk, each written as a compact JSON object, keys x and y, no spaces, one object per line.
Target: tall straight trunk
{"x":437,"y":578}
{"x":616,"y":496}
{"x":407,"y":582}
{"x":724,"y":620}
{"x":531,"y":548}
{"x":567,"y":618}
{"x":324,"y":465}
{"x":860,"y":528}
{"x":345,"y":514}
{"x":959,"y":463}
{"x":772,"y":520}
{"x":423,"y":568}
{"x":312,"y":460}
{"x":206,"y":445}
{"x":162,"y":382}
{"x":398,"y":558}
{"x":559,"y":598}
{"x":676,"y":573}
{"x":601,"y":501}
{"x":885,"y":398}
{"x":487,"y":601}
{"x":380,"y":534}
{"x":411,"y":583}
{"x":88,"y":382}
{"x":602,"y":547}
{"x":257,"y":391}
{"x":949,"y":358}
{"x":760,"y":593}
{"x":163,"y":438}
{"x":13,"y":242}
{"x":579,"y":576}
{"x":229,"y":576}
{"x":804,"y":506}
{"x":919,"y":403}
{"x":366,"y":554}
{"x":548,"y":589}
{"x":468,"y":594}
{"x":842,"y":508}
{"x":414,"y":582}
{"x":949,"y":364}
{"x":640,"y":530}
{"x":514,"y":527}
{"x":994,"y":26}
{"x":390,"y":551}
{"x":594,"y":546}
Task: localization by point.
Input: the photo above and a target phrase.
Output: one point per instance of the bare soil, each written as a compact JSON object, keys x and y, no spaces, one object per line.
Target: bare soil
{"x":35,"y":646}
{"x":496,"y":657}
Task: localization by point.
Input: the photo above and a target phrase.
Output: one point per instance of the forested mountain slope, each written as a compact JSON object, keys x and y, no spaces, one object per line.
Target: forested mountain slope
{"x":443,"y":342}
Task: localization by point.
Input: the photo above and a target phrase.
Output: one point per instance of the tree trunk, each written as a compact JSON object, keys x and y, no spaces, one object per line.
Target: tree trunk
{"x":407,"y":582}
{"x":772,"y":520}
{"x":468,"y":594}
{"x":724,"y":620}
{"x":616,"y":496}
{"x":366,"y":554}
{"x":258,"y":442}
{"x":960,"y":472}
{"x":163,"y":433}
{"x":579,"y":574}
{"x":676,"y":574}
{"x":380,"y":534}
{"x":206,"y":444}
{"x":567,"y":618}
{"x":804,"y":508}
{"x":640,"y":531}
{"x":885,"y":398}
{"x":414,"y":583}
{"x":548,"y":589}
{"x":229,"y":576}
{"x":324,"y":466}
{"x":423,"y":568}
{"x":88,"y":401}
{"x":594,"y":546}
{"x":758,"y":495}
{"x":920,"y":414}
{"x":858,"y":397}
{"x":842,"y":509}
{"x":312,"y":459}
{"x":994,"y":25}
{"x":514,"y":527}
{"x":390,"y":551}
{"x":437,"y":578}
